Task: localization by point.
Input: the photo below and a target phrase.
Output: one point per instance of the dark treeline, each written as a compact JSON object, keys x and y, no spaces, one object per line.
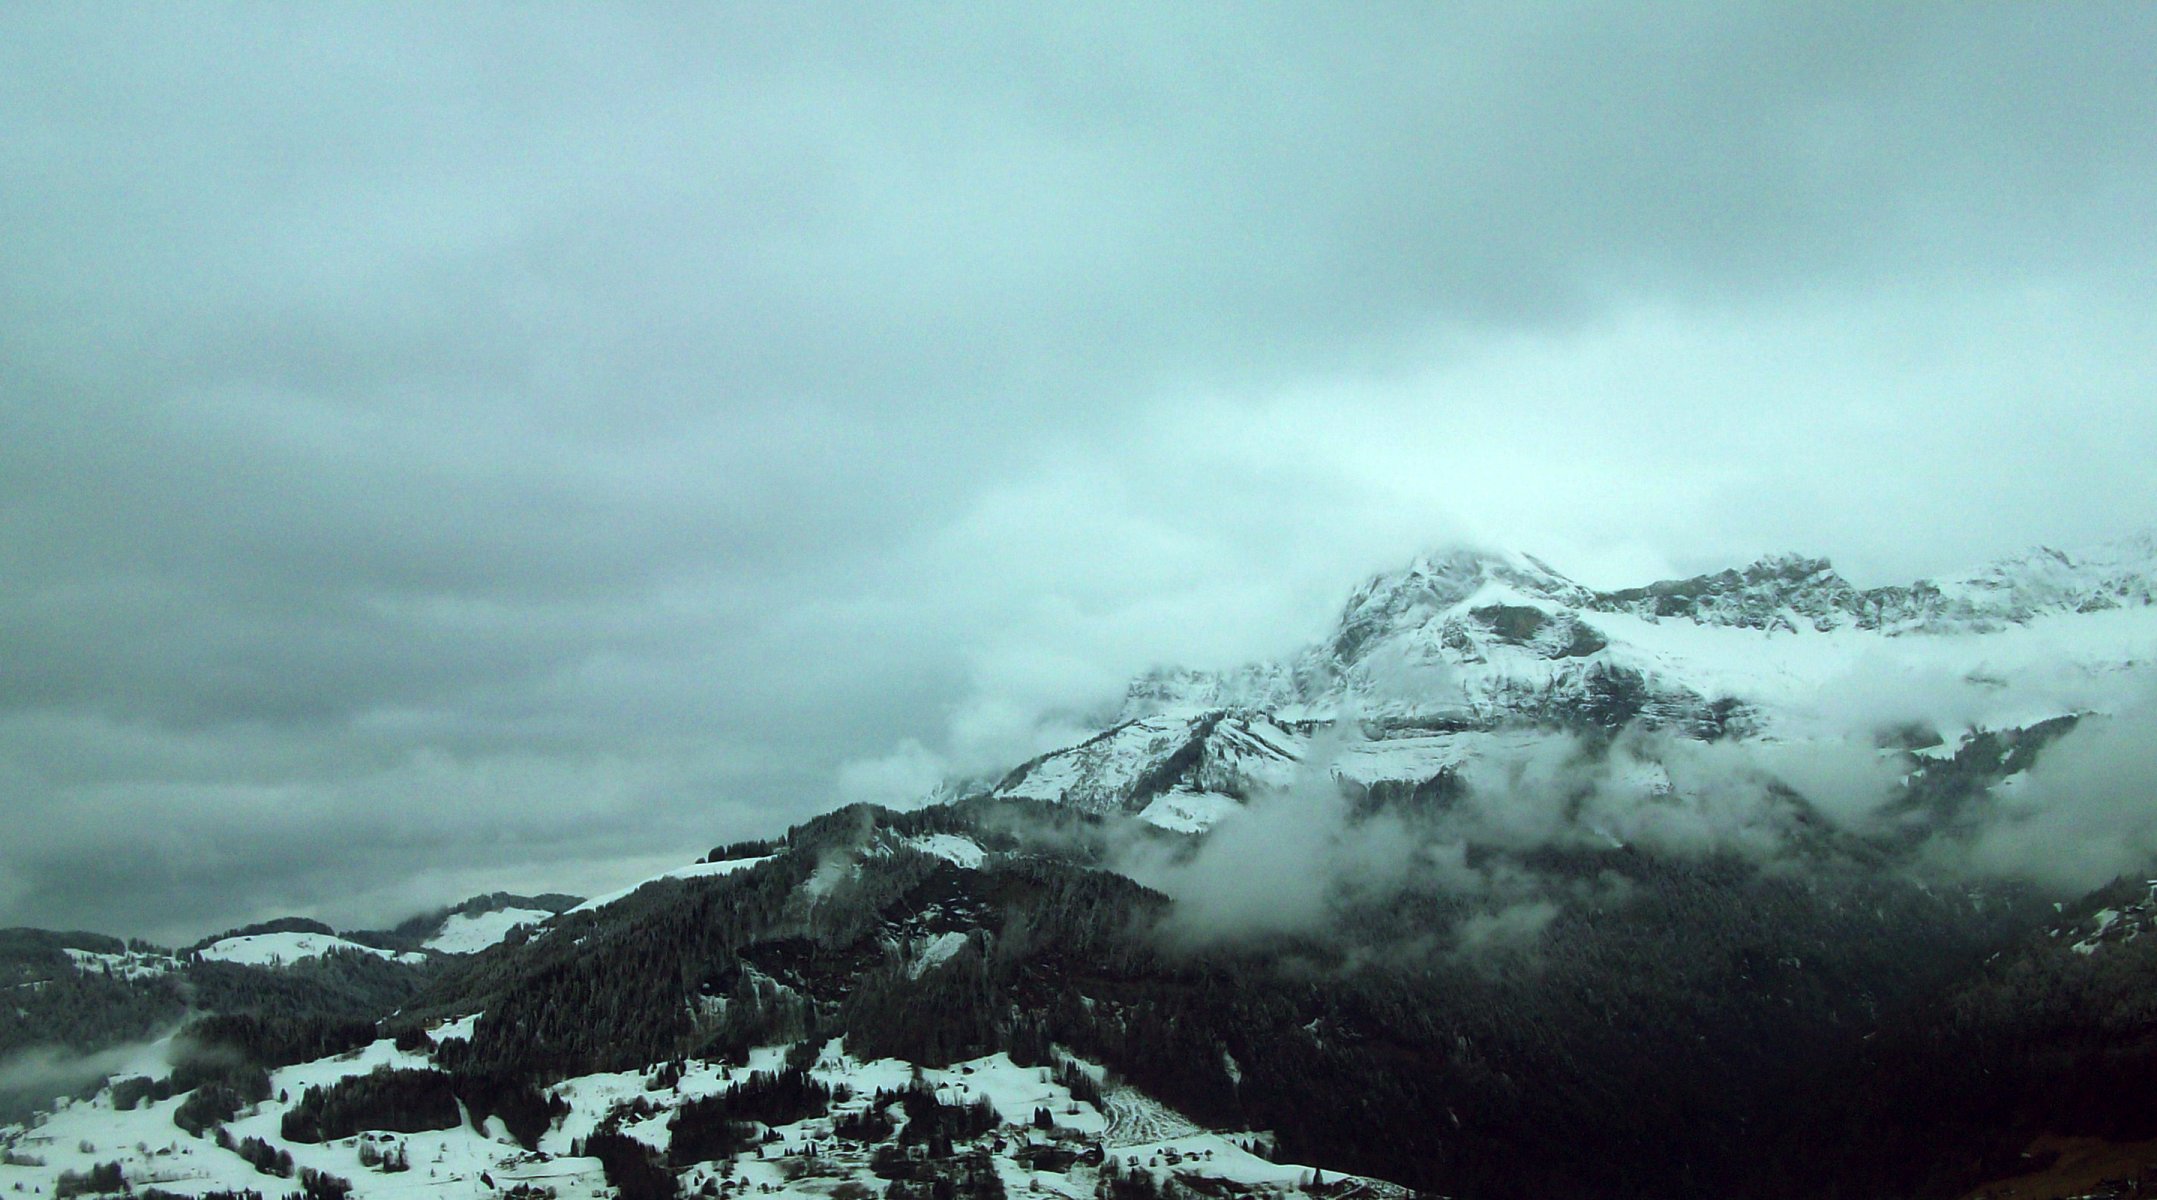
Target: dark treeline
{"x":724,"y":1124}
{"x":274,"y":1040}
{"x":2039,"y":1040}
{"x":403,"y":1101}
{"x":261,"y":1155}
{"x":525,"y":1110}
{"x":752,"y":848}
{"x":409,"y":1101}
{"x":217,"y":1089}
{"x":102,"y":1178}
{"x":343,"y":985}
{"x":932,"y":1122}
{"x":632,"y":1168}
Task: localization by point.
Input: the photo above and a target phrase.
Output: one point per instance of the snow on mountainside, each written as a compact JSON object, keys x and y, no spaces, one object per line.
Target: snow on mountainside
{"x":1204,"y":754}
{"x":693,"y":871}
{"x":1430,"y":660}
{"x":470,"y":933}
{"x":284,"y":949}
{"x":1471,"y":639}
{"x":125,"y":964}
{"x":1039,"y":1137}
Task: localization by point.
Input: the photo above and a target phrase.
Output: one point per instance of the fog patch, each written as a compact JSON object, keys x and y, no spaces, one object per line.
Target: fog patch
{"x":1514,"y":927}
{"x":832,"y":869}
{"x":905,"y":778}
{"x":1280,"y":865}
{"x":1670,"y":794}
{"x":1307,"y":860}
{"x":1266,"y":869}
{"x":2085,"y":812}
{"x":39,"y":1074}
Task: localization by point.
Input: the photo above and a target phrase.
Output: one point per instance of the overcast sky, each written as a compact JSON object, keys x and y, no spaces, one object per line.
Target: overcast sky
{"x":446,"y":448}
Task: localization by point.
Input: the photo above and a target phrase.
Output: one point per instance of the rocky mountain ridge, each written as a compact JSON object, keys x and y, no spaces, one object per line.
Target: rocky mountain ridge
{"x":1471,"y":608}
{"x":1429,"y":664}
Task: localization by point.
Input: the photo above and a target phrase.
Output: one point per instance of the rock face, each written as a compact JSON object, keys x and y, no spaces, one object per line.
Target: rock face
{"x":1467,"y":642}
{"x":1785,"y":591}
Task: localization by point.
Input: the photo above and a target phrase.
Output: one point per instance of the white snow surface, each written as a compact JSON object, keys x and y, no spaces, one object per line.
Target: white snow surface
{"x":470,"y":933}
{"x":962,"y":851}
{"x":1188,"y":812}
{"x":2026,"y":638}
{"x":285,"y":949}
{"x":937,"y":952}
{"x":128,"y":964}
{"x":448,"y":1164}
{"x":692,"y":871}
{"x":1452,"y":658}
{"x":2114,"y":926}
{"x":1222,"y":751}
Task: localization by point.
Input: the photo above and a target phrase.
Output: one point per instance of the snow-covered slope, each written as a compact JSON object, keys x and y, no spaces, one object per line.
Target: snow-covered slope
{"x":470,"y":933}
{"x":126,"y":964}
{"x":692,"y":871}
{"x":2120,"y":914}
{"x":1043,"y":1139}
{"x":1127,"y":766}
{"x":1470,"y":639}
{"x":284,"y":949}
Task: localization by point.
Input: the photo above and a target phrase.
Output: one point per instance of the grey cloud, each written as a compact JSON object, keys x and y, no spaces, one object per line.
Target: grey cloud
{"x":712,"y":398}
{"x":48,"y":1071}
{"x":2085,"y":814}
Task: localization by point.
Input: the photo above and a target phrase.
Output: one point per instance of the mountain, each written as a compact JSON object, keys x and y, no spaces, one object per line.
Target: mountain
{"x":1670,"y":1028}
{"x":1505,"y":888}
{"x":481,"y":921}
{"x":1465,"y":643}
{"x":1469,"y":638}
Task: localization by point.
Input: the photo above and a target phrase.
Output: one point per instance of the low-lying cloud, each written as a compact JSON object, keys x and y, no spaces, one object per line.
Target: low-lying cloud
{"x":2085,"y":813}
{"x":487,"y":447}
{"x":34,"y":1076}
{"x":1298,"y":861}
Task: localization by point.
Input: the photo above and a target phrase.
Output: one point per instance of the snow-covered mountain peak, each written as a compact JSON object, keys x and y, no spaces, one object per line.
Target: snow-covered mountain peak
{"x":1471,"y":637}
{"x":2117,"y":574}
{"x":1446,"y":579}
{"x":1433,"y":660}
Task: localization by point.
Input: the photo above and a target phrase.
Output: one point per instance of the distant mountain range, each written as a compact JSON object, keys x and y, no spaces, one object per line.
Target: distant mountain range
{"x":1426,"y":663}
{"x":1506,"y":888}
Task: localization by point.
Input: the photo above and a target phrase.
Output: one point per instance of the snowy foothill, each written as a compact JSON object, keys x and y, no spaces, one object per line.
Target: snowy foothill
{"x":964,"y":852}
{"x":470,"y":933}
{"x":692,"y":871}
{"x":129,"y":964}
{"x":152,"y":1151}
{"x":284,"y":949}
{"x":802,"y":1159}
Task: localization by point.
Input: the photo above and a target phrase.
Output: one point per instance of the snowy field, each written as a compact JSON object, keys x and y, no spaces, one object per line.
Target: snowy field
{"x":803,"y":1159}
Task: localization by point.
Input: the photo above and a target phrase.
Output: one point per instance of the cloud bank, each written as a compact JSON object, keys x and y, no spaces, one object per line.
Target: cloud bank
{"x":482,"y":445}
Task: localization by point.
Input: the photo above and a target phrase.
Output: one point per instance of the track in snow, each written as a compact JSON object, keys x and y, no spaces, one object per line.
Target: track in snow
{"x":1134,"y":1119}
